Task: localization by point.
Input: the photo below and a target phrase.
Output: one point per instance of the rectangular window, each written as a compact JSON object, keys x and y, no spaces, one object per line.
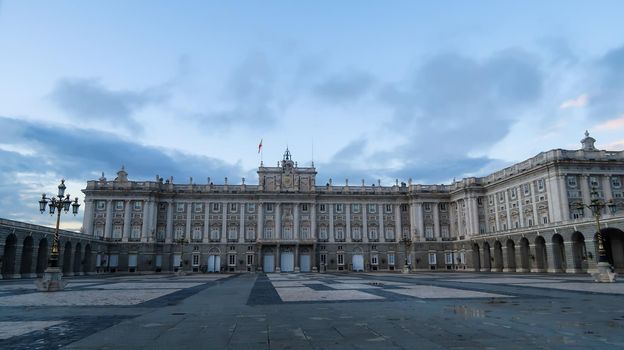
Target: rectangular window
{"x":231,"y":260}
{"x":432,"y":259}
{"x":138,"y":205}
{"x":323,"y":258}
{"x":114,"y":260}
{"x":615,"y":182}
{"x":372,"y":208}
{"x":501,"y":196}
{"x":427,"y":206}
{"x":491,"y":200}
{"x":251,"y":207}
{"x":287,"y":232}
{"x":199,"y":207}
{"x":388,"y":208}
{"x":480,"y":200}
{"x":232,"y":233}
{"x":269,"y":207}
{"x":322,"y":208}
{"x":390,"y":233}
{"x":250,"y":259}
{"x":268,"y":233}
{"x":160,"y":233}
{"x":356,"y":233}
{"x":216,"y":207}
{"x":462,"y":258}
{"x":233,"y":207}
{"x":391,"y":258}
{"x":197,"y":233}
{"x":527,"y":189}
{"x":572,"y":181}
{"x":513,"y":193}
{"x":100,"y":205}
{"x":195,"y":259}
{"x":340,"y":236}
{"x":374,"y":259}
{"x":338,"y":208}
{"x":305,"y":232}
{"x":372,"y":234}
{"x":119,"y":205}
{"x":215,"y":234}
{"x":135,"y":232}
{"x":428,"y":232}
{"x":158,"y":261}
{"x":99,"y":230}
{"x":404,"y":208}
{"x":443,"y":207}
{"x":545,"y":219}
{"x":323,"y":233}
{"x":340,"y":258}
{"x":180,"y":207}
{"x":116,"y":231}
{"x":250,"y":233}
{"x":448,"y":257}
{"x":540,"y":185}
{"x":178,"y":232}
{"x":304,"y":207}
{"x":593,"y":182}
{"x":444,"y":231}
{"x":355,"y":208}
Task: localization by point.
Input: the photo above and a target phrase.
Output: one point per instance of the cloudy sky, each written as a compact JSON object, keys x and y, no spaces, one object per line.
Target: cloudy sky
{"x":368,"y":90}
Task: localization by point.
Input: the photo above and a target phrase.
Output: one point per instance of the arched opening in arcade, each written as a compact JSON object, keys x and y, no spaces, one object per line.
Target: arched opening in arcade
{"x":558,"y":253}
{"x":27,"y":257}
{"x":476,"y":257}
{"x":579,"y":252}
{"x":541,"y":256}
{"x":525,"y":252}
{"x":614,"y":246}
{"x":67,"y":252}
{"x":487,"y":257}
{"x":87,"y":259}
{"x":511,"y":255}
{"x":8,"y":256}
{"x":498,"y":256}
{"x":77,"y":259}
{"x":42,"y":257}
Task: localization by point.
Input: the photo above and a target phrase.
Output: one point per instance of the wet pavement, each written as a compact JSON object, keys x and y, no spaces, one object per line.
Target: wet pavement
{"x":316,"y":311}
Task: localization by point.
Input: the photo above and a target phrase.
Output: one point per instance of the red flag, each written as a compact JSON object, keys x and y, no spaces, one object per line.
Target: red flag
{"x":260,"y":146}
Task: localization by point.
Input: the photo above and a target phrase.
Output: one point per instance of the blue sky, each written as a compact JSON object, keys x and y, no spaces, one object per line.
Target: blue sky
{"x":371,"y":90}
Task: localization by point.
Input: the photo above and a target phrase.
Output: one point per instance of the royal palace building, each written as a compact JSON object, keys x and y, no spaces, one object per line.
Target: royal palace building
{"x":523,"y":218}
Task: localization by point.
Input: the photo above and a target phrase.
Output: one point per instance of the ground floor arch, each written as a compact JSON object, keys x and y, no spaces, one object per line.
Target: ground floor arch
{"x":614,"y":247}
{"x":27,"y":257}
{"x":77,"y":259}
{"x":42,"y":256}
{"x":510,"y":248}
{"x":525,"y":252}
{"x":558,"y":254}
{"x":8,"y":256}
{"x":476,"y":257}
{"x":487,"y":257}
{"x":498,"y":256}
{"x":540,"y":254}
{"x":67,"y":255}
{"x":579,"y":252}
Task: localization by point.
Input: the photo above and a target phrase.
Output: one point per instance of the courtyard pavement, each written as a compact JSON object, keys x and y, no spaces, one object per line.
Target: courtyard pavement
{"x":315,"y":311}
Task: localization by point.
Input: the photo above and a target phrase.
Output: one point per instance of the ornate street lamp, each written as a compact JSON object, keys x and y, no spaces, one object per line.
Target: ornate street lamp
{"x":596,"y":206}
{"x":407,"y":243}
{"x":52,"y":276}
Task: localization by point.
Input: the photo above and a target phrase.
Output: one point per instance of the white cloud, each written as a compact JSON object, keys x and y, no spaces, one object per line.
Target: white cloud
{"x":611,"y":124}
{"x":580,"y":101}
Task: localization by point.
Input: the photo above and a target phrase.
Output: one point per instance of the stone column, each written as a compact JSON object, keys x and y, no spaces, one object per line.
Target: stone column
{"x":552,"y":199}
{"x":474,"y":204}
{"x":241,"y":229}
{"x":224,"y":212}
{"x":260,"y":225}
{"x":206,"y":237}
{"x":518,"y":259}
{"x":551,"y":258}
{"x":365,"y":222}
{"x":382,"y":229}
{"x":278,"y":221}
{"x":108,"y":229}
{"x":331,"y":222}
{"x":187,"y":228}
{"x":313,"y":223}
{"x":508,"y":210}
{"x":520,"y":205}
{"x":398,"y":229}
{"x":421,"y":221}
{"x":496,"y":204}
{"x":592,"y":248}
{"x":88,"y":217}
{"x":563,"y":198}
{"x":169,"y":224}
{"x":296,"y":221}
{"x":534,"y":204}
{"x":348,"y":215}
{"x":127,"y":223}
{"x":413,"y":227}
{"x":436,"y":221}
{"x":586,"y":194}
{"x":606,"y":189}
{"x":533,"y":260}
{"x":146,"y":218}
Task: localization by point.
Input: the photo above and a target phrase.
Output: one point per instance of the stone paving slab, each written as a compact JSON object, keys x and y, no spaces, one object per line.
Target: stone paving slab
{"x":504,"y":280}
{"x":609,"y":288}
{"x":17,"y":328}
{"x":146,"y":285}
{"x":433,"y":292}
{"x":308,"y":294}
{"x":83,"y":298}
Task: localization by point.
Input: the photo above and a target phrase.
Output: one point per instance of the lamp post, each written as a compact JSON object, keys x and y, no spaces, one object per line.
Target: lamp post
{"x":52,"y":276}
{"x":407,"y":243}
{"x":181,"y":241}
{"x":596,"y":206}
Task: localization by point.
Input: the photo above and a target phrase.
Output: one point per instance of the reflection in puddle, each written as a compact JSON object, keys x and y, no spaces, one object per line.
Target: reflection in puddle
{"x":467,"y":311}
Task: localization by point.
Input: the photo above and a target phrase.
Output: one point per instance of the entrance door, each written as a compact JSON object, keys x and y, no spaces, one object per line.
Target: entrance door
{"x":358,"y":262}
{"x":267,"y":265}
{"x":214,"y":263}
{"x":304,"y":263}
{"x":287,"y":262}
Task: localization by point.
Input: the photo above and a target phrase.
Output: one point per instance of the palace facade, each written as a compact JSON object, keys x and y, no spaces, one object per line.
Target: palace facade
{"x":522,"y":218}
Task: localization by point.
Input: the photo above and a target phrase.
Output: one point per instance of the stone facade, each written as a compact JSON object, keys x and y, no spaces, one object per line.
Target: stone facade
{"x":523,"y":218}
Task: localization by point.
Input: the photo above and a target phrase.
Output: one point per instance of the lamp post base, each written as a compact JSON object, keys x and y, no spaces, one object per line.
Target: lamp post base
{"x":405,"y":269}
{"x":604,"y":273}
{"x":52,"y":280}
